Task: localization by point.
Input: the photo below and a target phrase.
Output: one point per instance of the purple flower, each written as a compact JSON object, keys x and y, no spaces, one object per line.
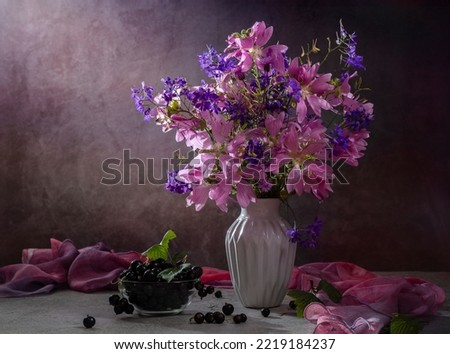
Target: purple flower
{"x":176,"y":185}
{"x":295,"y":90}
{"x":215,"y":64}
{"x":174,"y":87}
{"x":306,"y":237}
{"x":254,"y":151}
{"x":339,"y":140}
{"x":138,"y":99}
{"x":204,"y":98}
{"x":349,"y":42}
{"x":355,"y":61}
{"x":357,"y":119}
{"x":140,"y":96}
{"x":237,"y":111}
{"x":264,"y":185}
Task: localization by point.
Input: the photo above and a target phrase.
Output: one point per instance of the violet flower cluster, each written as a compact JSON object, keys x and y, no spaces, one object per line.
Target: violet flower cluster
{"x":265,"y":125}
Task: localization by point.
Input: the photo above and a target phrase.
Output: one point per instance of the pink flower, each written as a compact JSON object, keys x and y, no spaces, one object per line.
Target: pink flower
{"x":356,"y":145}
{"x":221,"y":128}
{"x":273,"y":124}
{"x":245,"y":194}
{"x":198,"y":197}
{"x":220,"y":193}
{"x":249,"y":50}
{"x":314,"y":88}
{"x":312,"y":178}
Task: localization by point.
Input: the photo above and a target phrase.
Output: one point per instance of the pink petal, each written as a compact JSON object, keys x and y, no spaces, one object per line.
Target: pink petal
{"x":301,"y":110}
{"x":321,"y":85}
{"x":198,"y":197}
{"x":317,"y":104}
{"x":245,"y":194}
{"x":295,"y":181}
{"x":273,"y":124}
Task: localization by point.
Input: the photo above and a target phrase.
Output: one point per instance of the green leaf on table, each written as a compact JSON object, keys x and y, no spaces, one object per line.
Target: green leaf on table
{"x":161,"y":250}
{"x":330,"y":290}
{"x":403,"y":324}
{"x":170,"y":273}
{"x":302,"y":299}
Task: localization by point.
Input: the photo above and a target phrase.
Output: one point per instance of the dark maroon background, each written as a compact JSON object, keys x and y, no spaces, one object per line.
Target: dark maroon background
{"x":66,"y":69}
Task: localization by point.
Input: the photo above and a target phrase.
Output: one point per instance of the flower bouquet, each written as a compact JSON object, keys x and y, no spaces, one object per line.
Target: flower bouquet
{"x":265,"y":125}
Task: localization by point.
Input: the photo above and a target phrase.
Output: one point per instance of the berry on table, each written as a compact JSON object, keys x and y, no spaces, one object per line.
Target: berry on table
{"x":227,"y":309}
{"x":210,"y":289}
{"x":114,"y":299}
{"x":118,"y":309}
{"x":202,"y":293}
{"x":129,"y":309}
{"x":237,"y":319}
{"x":265,"y":312}
{"x":89,"y":321}
{"x":219,"y":317}
{"x":292,"y":304}
{"x":209,"y":317}
{"x":199,"y":317}
{"x":218,"y":294}
{"x":243,"y":317}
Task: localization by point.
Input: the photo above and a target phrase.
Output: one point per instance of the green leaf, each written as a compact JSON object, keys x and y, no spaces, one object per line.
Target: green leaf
{"x":330,"y":290}
{"x":161,"y":250}
{"x":170,"y":273}
{"x":302,"y":299}
{"x":402,"y":324}
{"x":179,"y":256}
{"x":157,"y":251}
{"x":169,"y":235}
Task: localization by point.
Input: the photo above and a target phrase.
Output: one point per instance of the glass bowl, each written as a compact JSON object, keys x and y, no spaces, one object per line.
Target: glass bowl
{"x":158,"y":298}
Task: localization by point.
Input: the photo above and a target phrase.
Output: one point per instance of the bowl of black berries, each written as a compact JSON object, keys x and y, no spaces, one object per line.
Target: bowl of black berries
{"x":159,"y":287}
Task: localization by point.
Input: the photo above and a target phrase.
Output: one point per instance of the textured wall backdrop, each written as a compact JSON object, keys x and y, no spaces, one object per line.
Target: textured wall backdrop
{"x":66,"y":68}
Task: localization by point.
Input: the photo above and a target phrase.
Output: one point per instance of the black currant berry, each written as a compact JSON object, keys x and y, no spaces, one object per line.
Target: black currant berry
{"x":136,"y":263}
{"x":199,"y":317}
{"x":199,"y":285}
{"x":118,"y":309}
{"x":209,"y":317}
{"x":219,"y":317}
{"x":197,"y":272}
{"x":89,"y":321}
{"x":114,"y":299}
{"x":265,"y":312}
{"x":123,"y":303}
{"x":237,"y":319}
{"x":218,"y":294}
{"x":202,"y":293}
{"x":243,"y":317}
{"x":227,"y":309}
{"x":129,"y":310}
{"x":210,"y":289}
{"x":150,"y":276}
{"x":292,"y":304}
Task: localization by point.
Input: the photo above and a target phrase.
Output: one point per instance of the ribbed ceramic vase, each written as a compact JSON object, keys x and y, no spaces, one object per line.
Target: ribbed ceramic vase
{"x":260,"y":256}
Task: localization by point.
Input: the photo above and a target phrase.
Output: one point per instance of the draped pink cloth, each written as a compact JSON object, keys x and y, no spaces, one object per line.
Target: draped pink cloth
{"x":368,"y":300}
{"x":42,"y":270}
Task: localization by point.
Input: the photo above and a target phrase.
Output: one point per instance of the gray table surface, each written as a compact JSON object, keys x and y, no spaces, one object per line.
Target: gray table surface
{"x":63,"y":311}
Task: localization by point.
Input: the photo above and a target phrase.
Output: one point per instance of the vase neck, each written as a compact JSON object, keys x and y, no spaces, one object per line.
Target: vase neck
{"x":264,"y":207}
